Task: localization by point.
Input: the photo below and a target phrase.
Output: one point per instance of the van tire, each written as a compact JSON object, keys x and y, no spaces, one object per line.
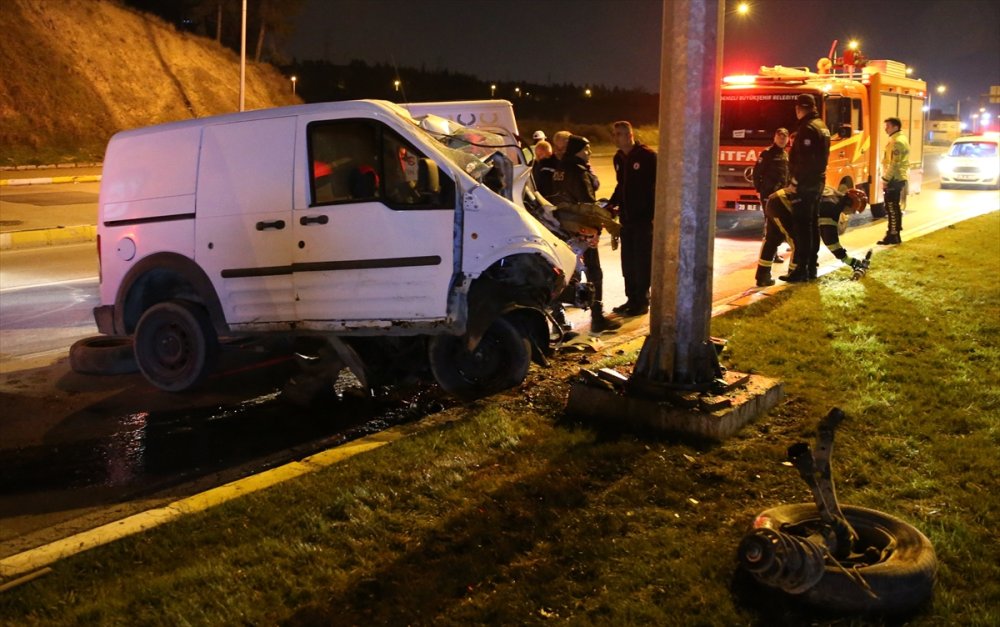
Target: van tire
{"x":900,"y":581}
{"x":104,"y":355}
{"x":500,"y":361}
{"x":175,"y":345}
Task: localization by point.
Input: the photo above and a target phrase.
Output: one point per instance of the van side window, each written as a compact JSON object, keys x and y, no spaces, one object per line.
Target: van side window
{"x":406,"y":177}
{"x":344,"y":161}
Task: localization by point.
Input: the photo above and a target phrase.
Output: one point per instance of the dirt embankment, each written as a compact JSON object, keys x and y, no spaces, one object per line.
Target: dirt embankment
{"x":76,"y":71}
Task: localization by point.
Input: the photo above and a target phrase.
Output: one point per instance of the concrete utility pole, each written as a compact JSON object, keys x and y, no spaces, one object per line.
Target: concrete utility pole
{"x":678,"y":353}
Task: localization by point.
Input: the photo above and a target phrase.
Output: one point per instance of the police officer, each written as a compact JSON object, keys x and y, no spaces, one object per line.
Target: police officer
{"x":635,"y":198}
{"x":807,"y":165}
{"x":895,"y":164}
{"x":574,"y":184}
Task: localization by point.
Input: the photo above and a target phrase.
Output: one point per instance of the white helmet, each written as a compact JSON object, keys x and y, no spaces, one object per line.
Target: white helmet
{"x":538,"y":136}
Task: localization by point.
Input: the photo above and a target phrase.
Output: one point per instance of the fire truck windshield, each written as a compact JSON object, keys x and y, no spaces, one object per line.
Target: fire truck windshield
{"x":752,"y":116}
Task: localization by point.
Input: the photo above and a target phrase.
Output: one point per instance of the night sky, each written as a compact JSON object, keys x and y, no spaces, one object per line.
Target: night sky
{"x":955,"y":43}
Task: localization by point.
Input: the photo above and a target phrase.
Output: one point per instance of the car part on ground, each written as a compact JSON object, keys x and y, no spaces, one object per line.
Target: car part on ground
{"x":846,"y":559}
{"x":103,"y":355}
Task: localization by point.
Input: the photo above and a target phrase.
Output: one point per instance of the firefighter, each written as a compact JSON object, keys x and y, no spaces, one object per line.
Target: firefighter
{"x":895,"y":164}
{"x":835,"y":209}
{"x":771,"y":171}
{"x":807,"y":164}
{"x":575,"y":185}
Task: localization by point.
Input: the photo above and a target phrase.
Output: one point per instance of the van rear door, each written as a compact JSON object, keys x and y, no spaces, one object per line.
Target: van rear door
{"x":244,"y":213}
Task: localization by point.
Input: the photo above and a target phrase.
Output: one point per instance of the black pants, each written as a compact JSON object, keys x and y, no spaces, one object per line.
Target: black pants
{"x":894,"y":212}
{"x":637,"y":261}
{"x":595,"y":276}
{"x":779,"y":226}
{"x":807,"y":227}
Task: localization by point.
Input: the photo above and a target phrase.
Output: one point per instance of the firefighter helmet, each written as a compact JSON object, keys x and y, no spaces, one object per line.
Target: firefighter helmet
{"x":858,"y":200}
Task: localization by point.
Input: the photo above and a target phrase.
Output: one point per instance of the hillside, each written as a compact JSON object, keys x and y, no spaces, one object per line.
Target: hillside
{"x":73,"y":72}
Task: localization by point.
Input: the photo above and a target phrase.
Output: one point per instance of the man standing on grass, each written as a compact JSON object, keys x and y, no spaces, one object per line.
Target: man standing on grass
{"x":634,"y":199}
{"x":895,"y":164}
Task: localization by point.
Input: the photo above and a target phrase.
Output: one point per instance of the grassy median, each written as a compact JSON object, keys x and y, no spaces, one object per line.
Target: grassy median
{"x":515,"y":514}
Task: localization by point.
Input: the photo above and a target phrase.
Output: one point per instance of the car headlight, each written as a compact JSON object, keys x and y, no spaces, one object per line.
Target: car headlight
{"x":990,"y":168}
{"x":945,"y":167}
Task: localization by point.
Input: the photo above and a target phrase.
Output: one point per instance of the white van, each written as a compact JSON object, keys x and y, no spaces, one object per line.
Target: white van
{"x":345,"y":221}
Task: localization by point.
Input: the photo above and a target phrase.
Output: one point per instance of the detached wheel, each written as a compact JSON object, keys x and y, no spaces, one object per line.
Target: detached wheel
{"x":175,"y":345}
{"x":102,"y":354}
{"x":499,"y":362}
{"x":899,"y":567}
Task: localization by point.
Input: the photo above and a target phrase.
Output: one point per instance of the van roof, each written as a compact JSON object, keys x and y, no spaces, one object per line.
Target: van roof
{"x":366,"y":106}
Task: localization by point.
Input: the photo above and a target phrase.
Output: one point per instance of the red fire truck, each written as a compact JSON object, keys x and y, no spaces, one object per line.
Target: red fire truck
{"x":853,"y":105}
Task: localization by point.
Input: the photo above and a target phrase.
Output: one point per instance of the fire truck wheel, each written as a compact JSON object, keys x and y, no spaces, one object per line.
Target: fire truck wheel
{"x":499,"y":362}
{"x":898,"y":566}
{"x":102,"y":354}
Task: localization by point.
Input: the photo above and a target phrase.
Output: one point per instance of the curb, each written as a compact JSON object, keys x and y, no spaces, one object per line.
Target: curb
{"x":40,"y":238}
{"x":49,"y":180}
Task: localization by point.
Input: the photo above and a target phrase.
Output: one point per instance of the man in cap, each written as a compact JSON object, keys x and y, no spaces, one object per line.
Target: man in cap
{"x":807,"y":165}
{"x":895,"y":168}
{"x":538,"y":136}
{"x":574,"y":184}
{"x":771,"y":171}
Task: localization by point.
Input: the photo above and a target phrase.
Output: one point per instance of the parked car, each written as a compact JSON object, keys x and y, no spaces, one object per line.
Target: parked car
{"x":972,"y":161}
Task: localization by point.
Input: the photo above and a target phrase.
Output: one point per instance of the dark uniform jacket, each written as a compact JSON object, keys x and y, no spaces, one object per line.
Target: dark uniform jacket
{"x":771,"y":172}
{"x":810,"y":152}
{"x":572,"y":182}
{"x":543,"y":170}
{"x":635,"y":193}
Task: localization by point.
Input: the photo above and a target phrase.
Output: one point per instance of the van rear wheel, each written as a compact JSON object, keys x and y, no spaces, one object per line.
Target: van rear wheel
{"x":175,"y":345}
{"x":500,"y":361}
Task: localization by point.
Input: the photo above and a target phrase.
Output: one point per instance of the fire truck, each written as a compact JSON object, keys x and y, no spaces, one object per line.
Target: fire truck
{"x":853,"y":104}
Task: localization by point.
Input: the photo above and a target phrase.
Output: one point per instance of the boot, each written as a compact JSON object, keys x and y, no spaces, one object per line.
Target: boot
{"x":798,"y":275}
{"x":559,"y":315}
{"x":812,"y":271}
{"x":890,"y":239}
{"x":599,"y":322}
{"x":763,"y":277}
{"x":895,"y":214}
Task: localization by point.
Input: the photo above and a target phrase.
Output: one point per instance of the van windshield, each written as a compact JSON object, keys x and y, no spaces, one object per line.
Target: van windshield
{"x":469,"y":148}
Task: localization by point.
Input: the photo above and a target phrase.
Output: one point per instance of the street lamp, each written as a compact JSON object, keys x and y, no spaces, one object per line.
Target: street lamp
{"x":743,"y":8}
{"x":395,"y":84}
{"x":493,"y":90}
{"x":517,"y":91}
{"x":587,"y":92}
{"x":295,"y":79}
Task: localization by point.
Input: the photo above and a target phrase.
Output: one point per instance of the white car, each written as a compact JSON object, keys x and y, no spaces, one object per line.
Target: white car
{"x":972,"y":161}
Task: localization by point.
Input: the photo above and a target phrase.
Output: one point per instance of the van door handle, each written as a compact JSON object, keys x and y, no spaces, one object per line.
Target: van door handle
{"x":277,"y":224}
{"x":304,"y":220}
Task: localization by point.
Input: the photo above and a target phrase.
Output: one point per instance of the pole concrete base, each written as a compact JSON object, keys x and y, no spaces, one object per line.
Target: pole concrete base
{"x":603,"y":398}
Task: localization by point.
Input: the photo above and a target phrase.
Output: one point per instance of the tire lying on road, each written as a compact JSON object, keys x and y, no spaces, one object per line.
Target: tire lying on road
{"x":102,"y":354}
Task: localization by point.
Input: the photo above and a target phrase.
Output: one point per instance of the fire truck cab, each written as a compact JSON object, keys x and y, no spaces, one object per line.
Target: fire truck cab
{"x":853,"y":106}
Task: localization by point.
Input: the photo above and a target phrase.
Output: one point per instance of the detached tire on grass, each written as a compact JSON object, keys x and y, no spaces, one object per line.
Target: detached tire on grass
{"x":500,"y":361}
{"x":175,"y":345}
{"x":103,"y":355}
{"x":901,"y":579}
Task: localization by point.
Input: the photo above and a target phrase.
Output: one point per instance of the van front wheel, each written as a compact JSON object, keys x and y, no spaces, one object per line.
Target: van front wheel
{"x":175,"y":345}
{"x":499,"y":362}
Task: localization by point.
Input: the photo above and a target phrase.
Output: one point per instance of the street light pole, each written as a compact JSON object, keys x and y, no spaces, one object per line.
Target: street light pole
{"x":295,"y":79}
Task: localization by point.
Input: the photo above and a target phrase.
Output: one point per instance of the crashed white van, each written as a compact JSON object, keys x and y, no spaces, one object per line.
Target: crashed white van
{"x":351,"y":222}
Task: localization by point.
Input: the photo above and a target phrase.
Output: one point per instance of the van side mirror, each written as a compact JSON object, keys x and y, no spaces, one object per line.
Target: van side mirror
{"x":845,"y":131}
{"x":428,"y":178}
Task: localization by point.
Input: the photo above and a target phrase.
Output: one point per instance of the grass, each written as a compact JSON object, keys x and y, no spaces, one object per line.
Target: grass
{"x":516,"y":514}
